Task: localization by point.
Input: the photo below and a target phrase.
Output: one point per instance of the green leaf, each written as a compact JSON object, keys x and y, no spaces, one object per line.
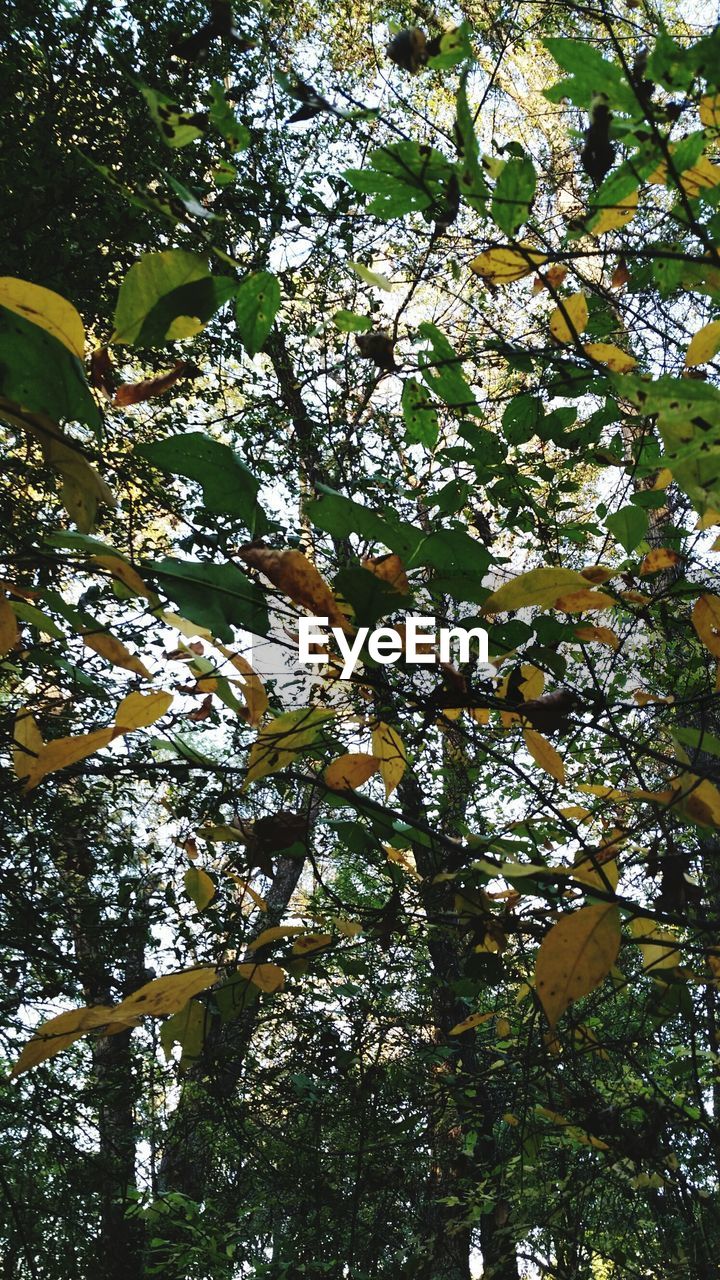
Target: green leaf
{"x":628,"y":526}
{"x":176,"y":127}
{"x":229,"y":487}
{"x":223,"y":118}
{"x":688,"y":419}
{"x":442,"y":370}
{"x":403,"y":177}
{"x":421,"y":420}
{"x":166,"y":296}
{"x":523,"y":418}
{"x":590,"y":74}
{"x":257,"y":304}
{"x":39,"y":373}
{"x":350,"y":322}
{"x":216,"y":596}
{"x":513,"y":195}
{"x":698,"y":739}
{"x":372,"y":278}
{"x":455,"y":47}
{"x":471,"y":179}
{"x":199,"y":887}
{"x":371,"y":597}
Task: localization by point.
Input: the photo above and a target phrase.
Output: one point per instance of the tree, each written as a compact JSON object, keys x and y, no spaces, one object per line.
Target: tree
{"x":412,"y":971}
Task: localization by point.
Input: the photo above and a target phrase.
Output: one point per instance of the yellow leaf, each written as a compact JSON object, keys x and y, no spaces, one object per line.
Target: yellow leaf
{"x":569,"y":318}
{"x":503,"y":1028}
{"x":706,"y":621}
{"x":199,"y":887}
{"x":616,"y":215}
{"x":536,"y":587}
{"x":46,"y":309}
{"x":575,"y":956}
{"x":167,"y":994}
{"x":510,"y":1119}
{"x":532,"y":683}
{"x":467,"y":1024}
{"x":115,"y":651}
{"x":138,"y":710}
{"x":502,"y":266}
{"x":268,"y":977}
{"x":57,"y":1034}
{"x":311,"y":942}
{"x":187,"y":629}
{"x":124,"y":572}
{"x":293,"y":574}
{"x":544,"y":754}
{"x":663,"y":478}
{"x":597,"y":573}
{"x":278,"y":742}
{"x":402,"y":858}
{"x":253,"y":689}
{"x":390,"y":569}
{"x":704,"y":345}
{"x":66,"y":751}
{"x":657,"y":559}
{"x":277,"y":933}
{"x":27,"y":744}
{"x":256,"y":897}
{"x":387,"y":746}
{"x":606,"y":353}
{"x":350,"y":771}
{"x":709,"y":109}
{"x":698,"y":799}
{"x":576,"y":811}
{"x":347,"y":928}
{"x":9,"y":633}
{"x":598,"y":635}
{"x":597,"y":870}
{"x":582,"y":601}
{"x":658,"y":945}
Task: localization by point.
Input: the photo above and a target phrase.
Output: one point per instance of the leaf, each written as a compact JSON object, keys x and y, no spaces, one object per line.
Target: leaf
{"x":138,"y":710}
{"x":657,"y":559}
{"x":350,"y":771}
{"x":176,"y":127}
{"x":582,"y":601}
{"x":372,"y":278}
{"x":164,"y":995}
{"x":311,"y":942}
{"x":388,"y":748}
{"x":62,"y":752}
{"x":570,"y":318}
{"x":706,"y":621}
{"x":166,"y":296}
{"x":278,"y":742}
{"x":504,"y":265}
{"x":402,"y":177}
{"x":575,"y":956}
{"x":228,"y":486}
{"x":199,"y":887}
{"x":610,"y":355}
{"x":115,"y":651}
{"x":467,"y":1024}
{"x":46,"y":309}
{"x":629,"y":526}
{"x":350,"y":322}
{"x":658,"y":946}
{"x":278,"y":933}
{"x":709,"y":111}
{"x":136,"y":392}
{"x":598,"y":635}
{"x":216,"y":596}
{"x":514,"y":193}
{"x":40,"y":375}
{"x":544,"y":754}
{"x":253,"y":689}
{"x":442,"y":370}
{"x":614,"y":216}
{"x":9,"y":633}
{"x":419,"y":414}
{"x":293,"y":574}
{"x":704,"y":345}
{"x":268,"y":977}
{"x":186,"y":1028}
{"x":27,"y":744}
{"x":257,"y":302}
{"x":536,"y":587}
{"x":57,"y":1034}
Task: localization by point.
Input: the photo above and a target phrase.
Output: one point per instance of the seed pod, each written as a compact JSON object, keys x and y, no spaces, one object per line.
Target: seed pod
{"x":408,"y":49}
